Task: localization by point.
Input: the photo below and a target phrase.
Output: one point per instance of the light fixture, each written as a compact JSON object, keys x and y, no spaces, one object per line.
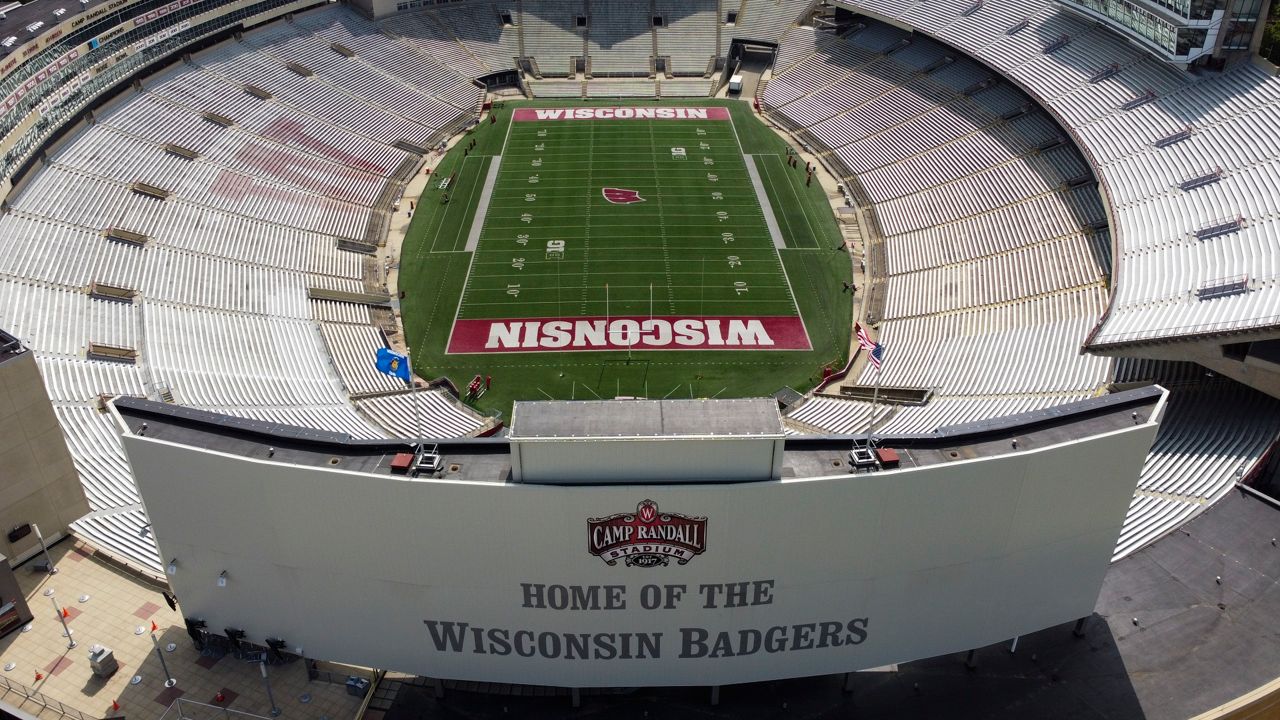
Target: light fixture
{"x":222,"y":579}
{"x":172,"y":568}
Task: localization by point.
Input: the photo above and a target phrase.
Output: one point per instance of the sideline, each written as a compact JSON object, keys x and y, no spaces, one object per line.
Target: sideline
{"x":482,"y":210}
{"x":774,"y":231}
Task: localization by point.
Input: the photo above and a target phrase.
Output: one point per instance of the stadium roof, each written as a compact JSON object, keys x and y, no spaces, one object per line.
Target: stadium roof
{"x":610,"y":419}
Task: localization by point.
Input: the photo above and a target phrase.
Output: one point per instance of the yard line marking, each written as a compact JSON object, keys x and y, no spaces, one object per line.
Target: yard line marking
{"x":662,"y":225}
{"x":586,"y":228}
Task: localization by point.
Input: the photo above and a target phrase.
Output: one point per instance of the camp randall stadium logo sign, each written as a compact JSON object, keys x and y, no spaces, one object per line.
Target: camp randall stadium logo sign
{"x":647,"y":537}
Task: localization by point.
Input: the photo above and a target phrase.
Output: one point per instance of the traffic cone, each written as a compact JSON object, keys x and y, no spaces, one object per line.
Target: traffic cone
{"x":219,"y":697}
{"x":154,"y":627}
{"x":66,"y":613}
{"x":39,"y":676}
{"x":115,"y":705}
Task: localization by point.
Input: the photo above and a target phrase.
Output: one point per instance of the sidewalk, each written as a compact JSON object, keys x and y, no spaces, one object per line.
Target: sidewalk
{"x":116,"y":611}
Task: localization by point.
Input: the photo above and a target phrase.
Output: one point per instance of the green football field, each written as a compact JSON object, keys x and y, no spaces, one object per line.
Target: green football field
{"x":584,"y":258}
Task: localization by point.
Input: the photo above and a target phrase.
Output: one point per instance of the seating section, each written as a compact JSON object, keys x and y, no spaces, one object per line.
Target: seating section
{"x":123,"y":534}
{"x":987,"y":245}
{"x":687,"y":34}
{"x":1186,"y":159}
{"x":763,"y":20}
{"x":1198,"y":455}
{"x":994,"y":238}
{"x":412,"y":68}
{"x":109,"y":156}
{"x":558,"y":88}
{"x":468,"y":37}
{"x":685,"y":87}
{"x":622,"y":88}
{"x":349,"y":346}
{"x":471,"y":37}
{"x":621,"y":39}
{"x":204,"y":289}
{"x":441,"y":415}
{"x":551,"y":35}
{"x":852,"y":418}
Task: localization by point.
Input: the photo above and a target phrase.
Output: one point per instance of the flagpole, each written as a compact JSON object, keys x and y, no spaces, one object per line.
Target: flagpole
{"x":875,"y":397}
{"x":417,"y":406}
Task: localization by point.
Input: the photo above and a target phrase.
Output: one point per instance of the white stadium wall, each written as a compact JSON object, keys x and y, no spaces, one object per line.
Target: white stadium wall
{"x":621,"y":461}
{"x":826,"y":575}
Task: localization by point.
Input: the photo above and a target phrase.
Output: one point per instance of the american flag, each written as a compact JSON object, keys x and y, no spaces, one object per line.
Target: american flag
{"x":864,"y":339}
{"x":874,"y":349}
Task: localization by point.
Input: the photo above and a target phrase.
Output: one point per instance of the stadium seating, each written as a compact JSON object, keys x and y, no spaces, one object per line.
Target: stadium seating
{"x":622,"y":88}
{"x":551,"y":35}
{"x":685,"y":87}
{"x":687,"y":35}
{"x":415,"y":69}
{"x":207,"y":293}
{"x":1200,"y":452}
{"x":985,"y":247}
{"x":762,"y":20}
{"x":559,"y":88}
{"x":1190,"y":259}
{"x":985,"y":251}
{"x":995,"y":244}
{"x":621,"y":39}
{"x":468,"y":37}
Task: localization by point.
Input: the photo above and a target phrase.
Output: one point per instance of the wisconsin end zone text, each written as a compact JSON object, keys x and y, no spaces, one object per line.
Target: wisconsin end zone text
{"x":621,"y":113}
{"x":629,"y":333}
{"x":693,"y":643}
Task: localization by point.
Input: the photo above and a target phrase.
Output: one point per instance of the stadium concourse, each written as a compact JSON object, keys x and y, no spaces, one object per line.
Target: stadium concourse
{"x":204,"y":229}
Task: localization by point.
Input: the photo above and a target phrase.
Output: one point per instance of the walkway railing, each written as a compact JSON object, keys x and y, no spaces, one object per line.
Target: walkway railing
{"x":191,"y":710}
{"x":13,"y":690}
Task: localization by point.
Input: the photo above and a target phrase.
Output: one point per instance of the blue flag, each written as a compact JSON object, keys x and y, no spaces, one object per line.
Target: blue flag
{"x":393,"y":364}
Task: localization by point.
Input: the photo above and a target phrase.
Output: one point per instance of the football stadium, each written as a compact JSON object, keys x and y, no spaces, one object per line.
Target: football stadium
{"x":765,"y":358}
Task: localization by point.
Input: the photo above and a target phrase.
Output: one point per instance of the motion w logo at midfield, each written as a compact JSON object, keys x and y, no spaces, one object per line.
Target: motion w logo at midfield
{"x":621,"y":196}
{"x":646,"y":538}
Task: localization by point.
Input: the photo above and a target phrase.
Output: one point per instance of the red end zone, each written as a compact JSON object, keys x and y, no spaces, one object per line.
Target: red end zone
{"x":620,"y":113}
{"x":622,"y":333}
